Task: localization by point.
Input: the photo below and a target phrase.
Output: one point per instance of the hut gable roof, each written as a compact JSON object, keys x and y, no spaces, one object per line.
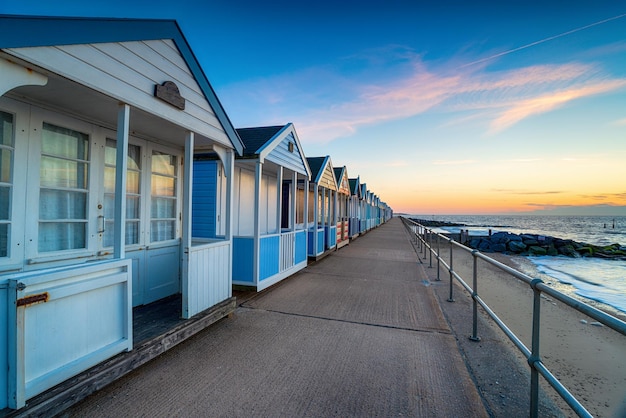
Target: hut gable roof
{"x":341,"y":176}
{"x":33,"y":39}
{"x":355,"y":189}
{"x":278,"y":144}
{"x":322,"y":172}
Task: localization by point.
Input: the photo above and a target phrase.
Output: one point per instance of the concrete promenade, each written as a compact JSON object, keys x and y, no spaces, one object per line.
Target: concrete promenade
{"x":359,"y":333}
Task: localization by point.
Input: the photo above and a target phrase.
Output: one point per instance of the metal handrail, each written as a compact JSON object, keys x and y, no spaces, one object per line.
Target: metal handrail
{"x":422,"y":237}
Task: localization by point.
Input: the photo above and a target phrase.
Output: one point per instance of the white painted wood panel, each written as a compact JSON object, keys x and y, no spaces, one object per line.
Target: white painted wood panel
{"x":120,"y":75}
{"x":85,"y":319}
{"x":209,"y":277}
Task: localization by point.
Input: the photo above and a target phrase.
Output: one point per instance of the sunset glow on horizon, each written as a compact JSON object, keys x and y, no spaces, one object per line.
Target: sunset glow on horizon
{"x":455,"y":108}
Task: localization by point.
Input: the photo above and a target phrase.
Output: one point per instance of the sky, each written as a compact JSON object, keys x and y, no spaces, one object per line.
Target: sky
{"x":448,"y":107}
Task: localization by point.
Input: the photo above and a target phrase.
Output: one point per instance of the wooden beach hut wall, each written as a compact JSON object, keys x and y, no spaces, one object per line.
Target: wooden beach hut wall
{"x":343,"y":197}
{"x":322,"y":227}
{"x":355,"y":207}
{"x":269,"y":209}
{"x":97,"y":120}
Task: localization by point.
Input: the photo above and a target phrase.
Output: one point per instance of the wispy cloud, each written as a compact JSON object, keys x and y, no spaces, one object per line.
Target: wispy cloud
{"x":328,"y":103}
{"x":548,"y":102}
{"x":529,"y":192}
{"x":453,"y":162}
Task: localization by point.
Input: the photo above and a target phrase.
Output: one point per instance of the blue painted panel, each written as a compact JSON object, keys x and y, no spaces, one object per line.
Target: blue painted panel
{"x":301,"y":246}
{"x":204,"y":200}
{"x":331,"y":236}
{"x":320,"y":241}
{"x":4,"y":360}
{"x":162,"y":277}
{"x":310,"y":248}
{"x":243,"y":258}
{"x":269,"y":256}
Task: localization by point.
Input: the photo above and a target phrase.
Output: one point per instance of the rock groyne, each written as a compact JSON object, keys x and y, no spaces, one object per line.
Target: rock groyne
{"x":530,"y":244}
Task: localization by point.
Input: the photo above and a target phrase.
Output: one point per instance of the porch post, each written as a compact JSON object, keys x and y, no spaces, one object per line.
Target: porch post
{"x":229,"y":171}
{"x":187,"y":190}
{"x":279,"y":198}
{"x":187,"y":214}
{"x":121,"y":164}
{"x":306,"y":204}
{"x":258,"y":177}
{"x":294,"y":201}
{"x":316,"y":215}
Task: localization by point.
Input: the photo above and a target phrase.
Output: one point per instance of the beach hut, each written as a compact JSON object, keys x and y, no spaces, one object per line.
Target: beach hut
{"x":343,"y":197}
{"x":269,"y":216}
{"x":365,"y":210}
{"x":98,"y":118}
{"x":354,"y":203}
{"x":322,"y":225}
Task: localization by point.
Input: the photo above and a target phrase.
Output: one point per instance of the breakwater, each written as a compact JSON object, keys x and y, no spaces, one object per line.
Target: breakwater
{"x":531,"y":244}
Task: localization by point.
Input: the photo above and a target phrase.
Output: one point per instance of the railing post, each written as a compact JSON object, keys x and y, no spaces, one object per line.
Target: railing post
{"x":424,"y":243}
{"x":534,"y":356}
{"x":430,"y":248}
{"x":451,"y":298}
{"x":474,"y":336}
{"x":438,"y":258}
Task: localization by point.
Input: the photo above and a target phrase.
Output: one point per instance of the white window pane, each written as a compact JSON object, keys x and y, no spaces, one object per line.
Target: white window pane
{"x":109,"y":179}
{"x":5,"y":165}
{"x":162,"y":230}
{"x":4,"y":240}
{"x":163,"y":163}
{"x":64,"y":142}
{"x":109,"y":206}
{"x":58,"y":236}
{"x":134,"y":158}
{"x":57,"y":172}
{"x":133,"y":207}
{"x":132,"y":232}
{"x":163,"y":208}
{"x":132,"y":182}
{"x":5,"y":202}
{"x":6,"y":129}
{"x":61,"y":204}
{"x":163,"y":186}
{"x":110,"y":152}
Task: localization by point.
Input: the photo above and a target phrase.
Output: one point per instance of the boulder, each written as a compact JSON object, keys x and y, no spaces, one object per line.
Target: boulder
{"x":498,"y":248}
{"x":516,"y":246}
{"x":537,"y":250}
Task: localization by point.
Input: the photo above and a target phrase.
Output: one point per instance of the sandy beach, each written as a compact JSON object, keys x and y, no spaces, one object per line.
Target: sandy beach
{"x":589,"y":359}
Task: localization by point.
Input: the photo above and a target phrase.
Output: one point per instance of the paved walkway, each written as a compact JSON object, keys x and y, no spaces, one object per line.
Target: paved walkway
{"x":358,"y":333}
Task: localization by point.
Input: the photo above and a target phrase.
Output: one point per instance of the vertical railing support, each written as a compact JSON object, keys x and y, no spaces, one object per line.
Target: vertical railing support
{"x":451,"y":297}
{"x":474,"y":336}
{"x":430,"y":248}
{"x":534,"y":356}
{"x":438,"y":258}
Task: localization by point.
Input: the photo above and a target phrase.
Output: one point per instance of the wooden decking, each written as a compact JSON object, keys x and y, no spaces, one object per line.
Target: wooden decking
{"x":157,"y":327}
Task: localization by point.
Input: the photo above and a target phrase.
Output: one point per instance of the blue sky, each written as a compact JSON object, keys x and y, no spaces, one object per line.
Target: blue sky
{"x":451,"y":107}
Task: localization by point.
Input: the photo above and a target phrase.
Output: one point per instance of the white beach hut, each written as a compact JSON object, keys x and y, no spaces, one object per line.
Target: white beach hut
{"x":98,"y":118}
{"x":322,"y":207}
{"x":269,"y":209}
{"x":343,"y":197}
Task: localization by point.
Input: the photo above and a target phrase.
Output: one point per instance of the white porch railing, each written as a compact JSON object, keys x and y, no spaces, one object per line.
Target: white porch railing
{"x":287,"y":250}
{"x":208,"y":281}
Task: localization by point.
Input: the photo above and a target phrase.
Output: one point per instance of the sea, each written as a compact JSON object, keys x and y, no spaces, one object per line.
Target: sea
{"x":593,"y":280}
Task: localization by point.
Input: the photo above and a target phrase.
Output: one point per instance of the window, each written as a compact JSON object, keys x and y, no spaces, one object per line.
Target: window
{"x":133,"y":193}
{"x":6,"y":178}
{"x":163,"y":197}
{"x":63,"y":192}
